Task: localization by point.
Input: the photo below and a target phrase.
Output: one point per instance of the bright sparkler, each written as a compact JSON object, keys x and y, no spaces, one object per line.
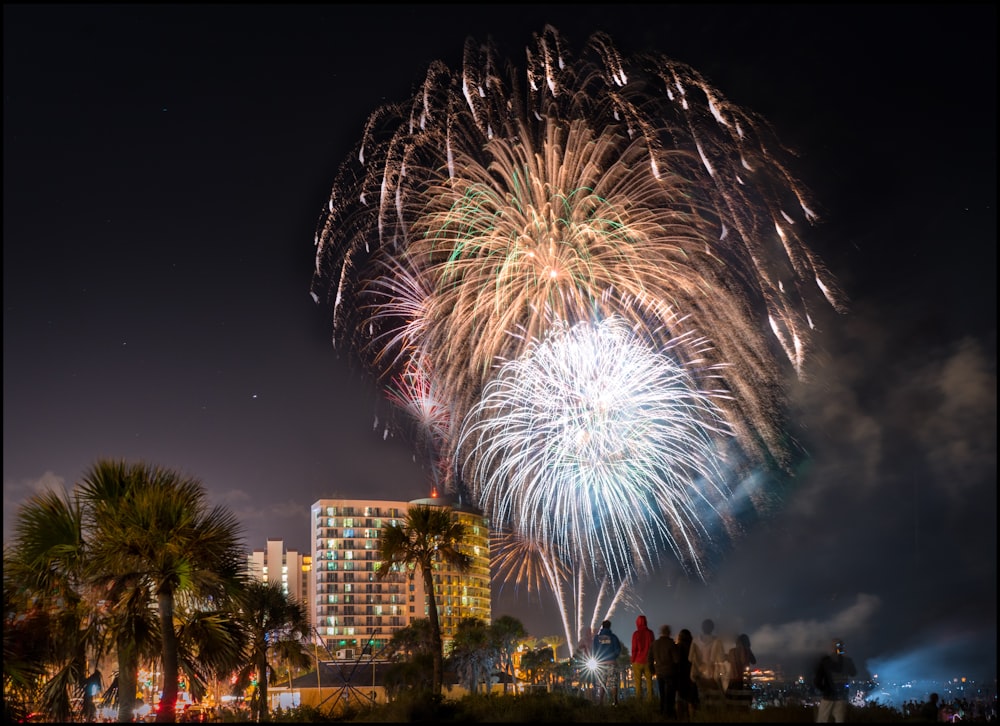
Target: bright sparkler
{"x":499,"y":220}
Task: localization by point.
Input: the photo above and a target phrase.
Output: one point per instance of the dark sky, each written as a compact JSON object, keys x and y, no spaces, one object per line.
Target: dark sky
{"x":164,"y":170}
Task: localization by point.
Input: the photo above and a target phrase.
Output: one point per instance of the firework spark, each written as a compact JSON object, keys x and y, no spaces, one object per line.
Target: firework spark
{"x":502,"y":217}
{"x":415,"y":391}
{"x":600,"y":445}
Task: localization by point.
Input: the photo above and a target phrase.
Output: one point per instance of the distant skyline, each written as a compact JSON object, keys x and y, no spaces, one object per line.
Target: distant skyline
{"x":165,"y":167}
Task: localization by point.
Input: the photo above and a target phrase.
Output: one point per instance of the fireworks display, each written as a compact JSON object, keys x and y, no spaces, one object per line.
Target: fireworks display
{"x":599,"y":445}
{"x":586,"y":280}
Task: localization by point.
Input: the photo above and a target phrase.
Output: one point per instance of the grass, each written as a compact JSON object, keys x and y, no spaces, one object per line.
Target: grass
{"x":565,"y":708}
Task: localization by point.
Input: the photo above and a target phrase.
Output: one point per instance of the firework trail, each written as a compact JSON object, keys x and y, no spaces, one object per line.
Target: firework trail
{"x":415,"y":391}
{"x":533,"y":566}
{"x":502,"y":217}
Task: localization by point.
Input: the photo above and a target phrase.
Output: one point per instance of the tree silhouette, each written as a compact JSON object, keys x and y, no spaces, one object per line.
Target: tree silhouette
{"x":429,"y":537}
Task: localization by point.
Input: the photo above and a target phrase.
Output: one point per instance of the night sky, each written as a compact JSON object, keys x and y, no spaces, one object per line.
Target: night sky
{"x":164,"y":170}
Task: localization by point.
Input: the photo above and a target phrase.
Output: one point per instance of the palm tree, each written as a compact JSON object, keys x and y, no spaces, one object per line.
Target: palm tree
{"x":554,"y":641}
{"x":274,"y":623}
{"x":153,"y":527}
{"x":207,"y":639}
{"x":107,"y":489}
{"x":25,"y":630}
{"x":210,"y":643}
{"x":428,"y":537}
{"x":135,"y":630}
{"x":45,"y":572}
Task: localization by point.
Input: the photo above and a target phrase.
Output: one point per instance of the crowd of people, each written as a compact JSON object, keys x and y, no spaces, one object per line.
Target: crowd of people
{"x":937,"y":710}
{"x":686,"y":670}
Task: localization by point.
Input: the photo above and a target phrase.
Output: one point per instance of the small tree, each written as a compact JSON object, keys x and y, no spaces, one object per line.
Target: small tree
{"x":508,"y":632}
{"x":411,"y":641}
{"x":472,"y":653}
{"x":276,"y":626}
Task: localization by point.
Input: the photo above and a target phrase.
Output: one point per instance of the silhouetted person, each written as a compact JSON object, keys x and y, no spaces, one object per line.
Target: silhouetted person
{"x":663,"y":664}
{"x":687,"y":690}
{"x":741,"y":657}
{"x":833,"y":680}
{"x":607,"y":647}
{"x":642,"y":643}
{"x":929,"y":710}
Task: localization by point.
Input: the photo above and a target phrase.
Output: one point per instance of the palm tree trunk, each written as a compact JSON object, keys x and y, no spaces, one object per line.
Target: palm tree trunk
{"x":436,"y":643}
{"x":168,"y":703}
{"x":262,"y":709}
{"x":128,"y":667}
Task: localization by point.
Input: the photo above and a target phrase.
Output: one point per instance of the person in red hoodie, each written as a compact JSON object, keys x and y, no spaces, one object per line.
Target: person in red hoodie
{"x":642,"y":641}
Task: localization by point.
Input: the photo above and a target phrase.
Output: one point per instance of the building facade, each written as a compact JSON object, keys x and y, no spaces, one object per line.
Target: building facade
{"x":355,"y":613}
{"x":462,"y":594}
{"x":289,"y":568}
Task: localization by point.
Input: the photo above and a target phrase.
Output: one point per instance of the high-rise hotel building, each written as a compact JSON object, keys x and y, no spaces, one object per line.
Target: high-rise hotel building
{"x":351,"y":609}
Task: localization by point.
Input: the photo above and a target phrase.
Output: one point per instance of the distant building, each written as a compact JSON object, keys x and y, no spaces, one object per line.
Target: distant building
{"x":290,"y":569}
{"x":352,"y":611}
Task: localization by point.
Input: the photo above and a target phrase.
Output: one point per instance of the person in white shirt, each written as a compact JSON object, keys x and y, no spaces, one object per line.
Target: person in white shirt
{"x":709,"y":664}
